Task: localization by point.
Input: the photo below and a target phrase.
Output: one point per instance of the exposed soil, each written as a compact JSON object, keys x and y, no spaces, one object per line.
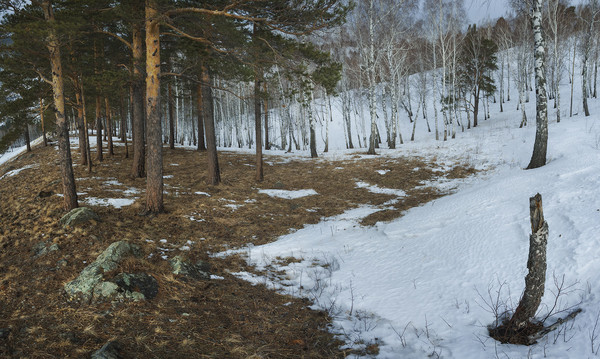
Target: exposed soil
{"x":217,"y":318}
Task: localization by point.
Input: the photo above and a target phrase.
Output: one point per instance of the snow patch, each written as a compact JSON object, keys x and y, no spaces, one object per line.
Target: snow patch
{"x":288,"y":194}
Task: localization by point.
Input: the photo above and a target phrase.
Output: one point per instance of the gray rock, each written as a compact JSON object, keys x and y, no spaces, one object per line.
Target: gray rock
{"x":106,"y":290}
{"x":92,"y":275}
{"x":42,"y":248}
{"x":279,"y":185}
{"x":110,"y":350}
{"x":4,"y":333}
{"x":199,"y":270}
{"x":78,"y":216}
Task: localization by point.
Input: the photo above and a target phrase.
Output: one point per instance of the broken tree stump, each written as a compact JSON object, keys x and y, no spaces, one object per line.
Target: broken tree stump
{"x":536,"y":264}
{"x":519,"y":327}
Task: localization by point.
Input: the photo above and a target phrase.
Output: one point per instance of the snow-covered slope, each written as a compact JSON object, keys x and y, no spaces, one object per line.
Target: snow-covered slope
{"x":426,"y":284}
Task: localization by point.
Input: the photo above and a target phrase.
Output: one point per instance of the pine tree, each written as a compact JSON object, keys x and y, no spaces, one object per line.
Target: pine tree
{"x":476,"y":63}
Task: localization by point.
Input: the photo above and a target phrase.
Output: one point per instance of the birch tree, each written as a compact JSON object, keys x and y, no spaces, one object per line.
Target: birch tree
{"x":538,"y":158}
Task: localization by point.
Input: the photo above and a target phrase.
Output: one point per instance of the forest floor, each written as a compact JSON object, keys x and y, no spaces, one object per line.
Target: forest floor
{"x":224,"y":317}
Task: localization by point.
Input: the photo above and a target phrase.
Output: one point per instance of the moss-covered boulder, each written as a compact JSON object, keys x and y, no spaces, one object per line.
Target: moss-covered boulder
{"x":78,"y":216}
{"x":92,"y":276}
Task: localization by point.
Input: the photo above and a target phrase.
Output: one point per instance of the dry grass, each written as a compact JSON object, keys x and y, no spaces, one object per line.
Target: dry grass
{"x":226,"y":318}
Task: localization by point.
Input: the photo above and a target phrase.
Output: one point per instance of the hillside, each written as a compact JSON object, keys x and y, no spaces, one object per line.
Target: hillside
{"x":219,"y":317}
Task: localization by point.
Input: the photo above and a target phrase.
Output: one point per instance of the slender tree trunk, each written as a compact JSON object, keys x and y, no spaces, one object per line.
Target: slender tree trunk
{"x":540,"y":147}
{"x":572,"y":78}
{"x":122,"y":120}
{"x":475,"y":107}
{"x":200,"y":114}
{"x":88,"y":151}
{"x":266,"y":111}
{"x":42,"y":122}
{"x":372,"y":80}
{"x":138,"y":169}
{"x":99,"y":156}
{"x":109,"y":128}
{"x":213,"y":171}
{"x":64,"y":150}
{"x":81,"y":128}
{"x":154,"y":166}
{"x":171,"y":116}
{"x":123,"y":125}
{"x":257,"y":128}
{"x":27,"y":138}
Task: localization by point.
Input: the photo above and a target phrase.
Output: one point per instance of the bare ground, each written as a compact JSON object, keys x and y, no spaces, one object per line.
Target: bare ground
{"x":217,"y":318}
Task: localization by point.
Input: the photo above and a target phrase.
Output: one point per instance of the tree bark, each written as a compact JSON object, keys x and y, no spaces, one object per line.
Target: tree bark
{"x":154,"y":175}
{"x":257,"y":128}
{"x":109,"y":128}
{"x":99,"y":156}
{"x":213,"y":171}
{"x":81,"y":128}
{"x":171,"y":116}
{"x":88,"y":152}
{"x":540,"y":147}
{"x":42,"y":122}
{"x":266,"y":111}
{"x":27,"y":138}
{"x":536,"y":264}
{"x":201,"y":144}
{"x":64,"y":150}
{"x":138,"y":169}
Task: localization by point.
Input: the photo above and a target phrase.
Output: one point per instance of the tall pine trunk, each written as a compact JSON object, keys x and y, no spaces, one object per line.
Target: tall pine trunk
{"x":258,"y":128}
{"x":171,"y":115}
{"x":81,"y":127}
{"x":154,"y":168}
{"x":99,"y":156}
{"x":42,"y":122}
{"x":64,"y":150}
{"x":266,"y":111}
{"x":200,"y":113}
{"x":109,"y":128}
{"x":213,"y":176}
{"x":138,"y":167}
{"x":27,"y":138}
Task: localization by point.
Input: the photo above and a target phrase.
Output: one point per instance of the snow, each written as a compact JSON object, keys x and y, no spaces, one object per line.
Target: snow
{"x":12,"y":153}
{"x":287,"y":194}
{"x":16,"y":171}
{"x":114,"y":202}
{"x":424,"y":285}
{"x":377,"y":189}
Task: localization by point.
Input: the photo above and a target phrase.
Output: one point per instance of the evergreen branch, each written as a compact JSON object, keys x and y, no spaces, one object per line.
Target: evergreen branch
{"x":224,"y":13}
{"x":128,"y":44}
{"x":181,"y":33}
{"x":41,"y":75}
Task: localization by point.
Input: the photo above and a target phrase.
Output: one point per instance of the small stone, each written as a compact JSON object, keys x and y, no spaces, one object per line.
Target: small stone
{"x":44,"y":194}
{"x":110,"y":350}
{"x":4,"y":333}
{"x":279,"y":185}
